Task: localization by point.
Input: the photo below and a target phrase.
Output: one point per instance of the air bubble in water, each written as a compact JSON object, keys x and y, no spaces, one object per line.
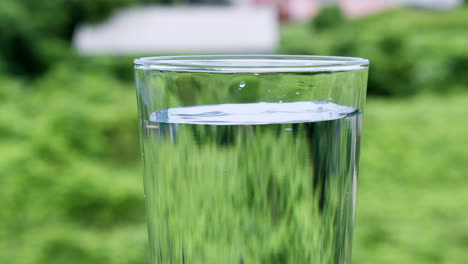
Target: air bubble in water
{"x":242,"y":84}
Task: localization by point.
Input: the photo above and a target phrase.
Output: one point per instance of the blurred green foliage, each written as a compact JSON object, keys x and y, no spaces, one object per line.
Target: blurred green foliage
{"x":413,"y":181}
{"x":70,"y":183}
{"x":328,"y":17}
{"x":70,"y":179}
{"x":411,"y":51}
{"x":37,"y":34}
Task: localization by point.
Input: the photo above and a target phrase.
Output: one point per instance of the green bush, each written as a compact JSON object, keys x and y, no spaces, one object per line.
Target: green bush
{"x":36,"y":34}
{"x":410,"y":50}
{"x":328,"y":17}
{"x":70,"y":183}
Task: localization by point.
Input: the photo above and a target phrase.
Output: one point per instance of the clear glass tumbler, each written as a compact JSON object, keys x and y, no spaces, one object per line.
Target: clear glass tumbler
{"x":250,"y":159}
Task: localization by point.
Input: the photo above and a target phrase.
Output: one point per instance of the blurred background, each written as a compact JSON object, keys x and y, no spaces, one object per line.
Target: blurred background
{"x":70,"y":177}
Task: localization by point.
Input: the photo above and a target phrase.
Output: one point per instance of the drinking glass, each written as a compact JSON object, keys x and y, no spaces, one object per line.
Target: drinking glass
{"x":250,"y":159}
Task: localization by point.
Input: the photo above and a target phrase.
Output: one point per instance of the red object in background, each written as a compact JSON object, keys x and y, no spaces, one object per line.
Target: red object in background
{"x":283,"y":10}
{"x":304,"y":10}
{"x":298,"y":10}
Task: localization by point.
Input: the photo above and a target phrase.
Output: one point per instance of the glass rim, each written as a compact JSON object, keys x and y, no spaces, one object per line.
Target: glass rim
{"x":250,"y":63}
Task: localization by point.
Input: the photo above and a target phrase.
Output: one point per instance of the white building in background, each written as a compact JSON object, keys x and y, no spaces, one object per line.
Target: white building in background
{"x":433,"y":4}
{"x":356,"y":8}
{"x":302,"y":10}
{"x":247,"y":26}
{"x":158,"y":29}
